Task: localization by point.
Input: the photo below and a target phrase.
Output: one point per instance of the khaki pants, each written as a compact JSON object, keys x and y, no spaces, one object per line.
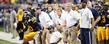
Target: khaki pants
{"x":45,"y":36}
{"x":13,"y":30}
{"x":94,"y":37}
{"x":70,"y":36}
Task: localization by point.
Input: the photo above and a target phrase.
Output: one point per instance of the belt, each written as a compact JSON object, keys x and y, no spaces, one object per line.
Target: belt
{"x":73,"y":25}
{"x":53,"y":43}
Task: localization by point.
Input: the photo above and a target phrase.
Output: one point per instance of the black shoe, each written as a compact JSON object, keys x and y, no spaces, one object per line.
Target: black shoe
{"x":20,"y":39}
{"x":13,"y":38}
{"x":107,"y":41}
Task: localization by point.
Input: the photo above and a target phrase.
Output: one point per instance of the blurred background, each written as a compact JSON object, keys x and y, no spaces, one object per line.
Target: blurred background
{"x":8,"y":7}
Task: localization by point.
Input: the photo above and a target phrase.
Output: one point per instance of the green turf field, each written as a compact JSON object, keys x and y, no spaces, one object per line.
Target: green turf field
{"x":5,"y":42}
{"x":1,"y":28}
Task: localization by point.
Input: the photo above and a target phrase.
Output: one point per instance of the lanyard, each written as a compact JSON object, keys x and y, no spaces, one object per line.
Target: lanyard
{"x":49,"y":16}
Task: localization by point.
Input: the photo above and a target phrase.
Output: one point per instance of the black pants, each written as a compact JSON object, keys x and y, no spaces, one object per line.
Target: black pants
{"x":21,"y":35}
{"x":85,"y":36}
{"x":19,"y":28}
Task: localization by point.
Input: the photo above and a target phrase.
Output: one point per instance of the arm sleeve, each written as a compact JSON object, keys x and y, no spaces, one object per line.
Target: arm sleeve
{"x":77,"y":16}
{"x":59,"y":35}
{"x":90,"y":15}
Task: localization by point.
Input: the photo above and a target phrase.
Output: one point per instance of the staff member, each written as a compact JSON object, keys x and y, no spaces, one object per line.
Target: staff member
{"x":86,"y":22}
{"x":60,"y":20}
{"x":44,"y":21}
{"x":72,"y":22}
{"x":97,"y":17}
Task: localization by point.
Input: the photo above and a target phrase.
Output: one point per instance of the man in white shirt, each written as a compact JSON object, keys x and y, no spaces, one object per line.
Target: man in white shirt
{"x":60,"y":18}
{"x":51,"y":13}
{"x":56,"y":36}
{"x":72,"y":18}
{"x":45,"y":22}
{"x":44,"y":18}
{"x":12,"y":22}
{"x":72,"y":21}
{"x":86,"y":24}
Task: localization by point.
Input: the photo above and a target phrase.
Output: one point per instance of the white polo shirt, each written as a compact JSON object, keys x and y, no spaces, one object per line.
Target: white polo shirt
{"x":86,"y":15}
{"x":71,"y":18}
{"x":55,"y":36}
{"x":53,"y":14}
{"x":60,"y":20}
{"x":13,"y":16}
{"x":45,"y":19}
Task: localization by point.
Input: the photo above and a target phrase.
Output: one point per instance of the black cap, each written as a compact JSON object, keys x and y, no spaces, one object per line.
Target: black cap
{"x":50,"y":27}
